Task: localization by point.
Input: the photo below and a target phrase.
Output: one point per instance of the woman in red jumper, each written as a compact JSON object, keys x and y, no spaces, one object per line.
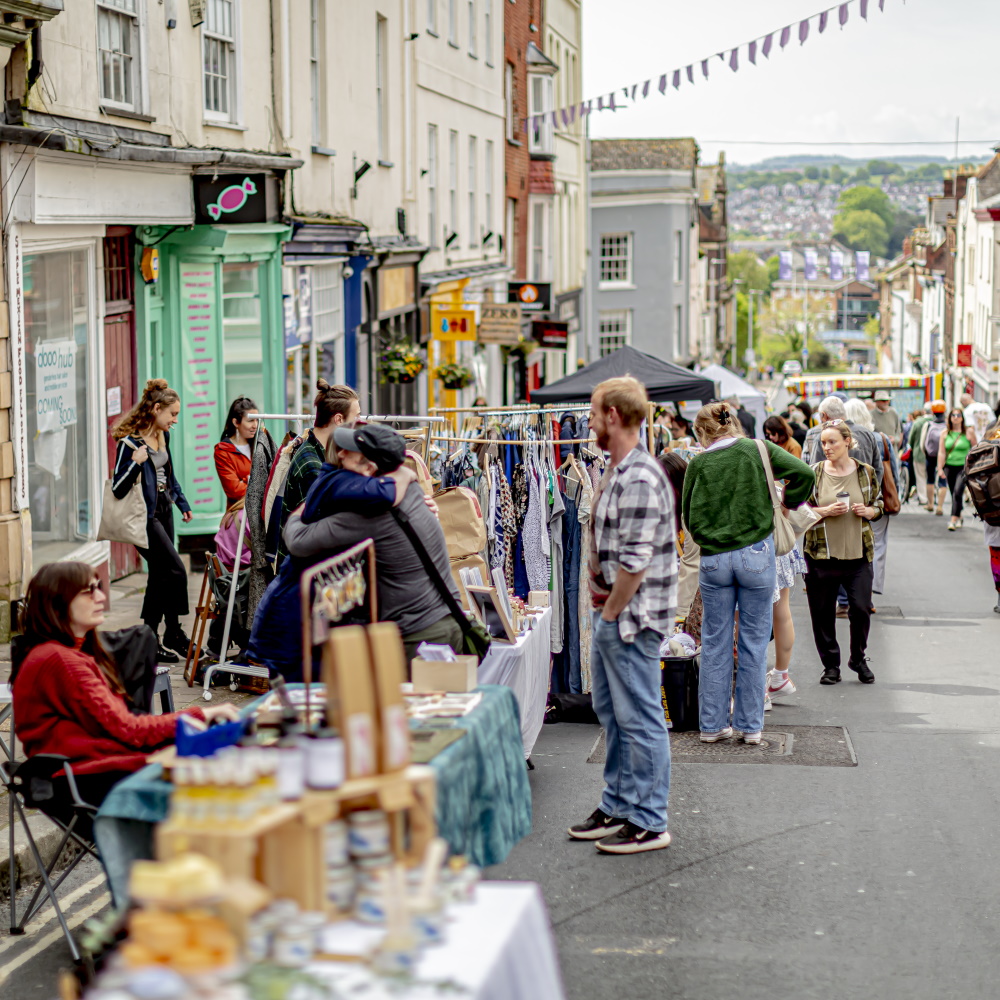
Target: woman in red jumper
{"x":232,"y":453}
{"x":68,"y":697}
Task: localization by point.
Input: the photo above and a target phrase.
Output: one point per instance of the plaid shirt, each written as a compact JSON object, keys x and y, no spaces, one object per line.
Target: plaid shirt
{"x":634,"y":531}
{"x":307,"y":460}
{"x":815,"y":545}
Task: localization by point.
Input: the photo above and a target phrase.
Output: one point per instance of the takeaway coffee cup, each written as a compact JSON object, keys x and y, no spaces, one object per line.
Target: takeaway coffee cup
{"x":844,"y":497}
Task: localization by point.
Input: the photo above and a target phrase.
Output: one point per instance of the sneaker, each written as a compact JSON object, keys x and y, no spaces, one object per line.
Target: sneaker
{"x":632,"y":839}
{"x":751,"y":739}
{"x":597,"y":825}
{"x":164,"y":655}
{"x":177,"y":641}
{"x":863,"y":671}
{"x":783,"y":688}
{"x":996,"y":607}
{"x":722,"y":734}
{"x":830,"y":676}
{"x":767,"y":702}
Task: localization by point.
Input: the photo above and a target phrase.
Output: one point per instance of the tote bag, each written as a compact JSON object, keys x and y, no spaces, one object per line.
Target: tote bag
{"x":124,"y":520}
{"x":784,"y":533}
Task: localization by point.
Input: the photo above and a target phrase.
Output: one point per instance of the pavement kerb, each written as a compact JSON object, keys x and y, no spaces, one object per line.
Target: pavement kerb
{"x":47,"y":837}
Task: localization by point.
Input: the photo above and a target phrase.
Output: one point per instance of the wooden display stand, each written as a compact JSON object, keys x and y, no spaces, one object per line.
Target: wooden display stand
{"x":283,"y":847}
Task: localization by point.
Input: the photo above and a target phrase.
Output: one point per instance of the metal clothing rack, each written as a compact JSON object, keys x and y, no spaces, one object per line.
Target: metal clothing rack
{"x":333,"y":566}
{"x":503,"y":441}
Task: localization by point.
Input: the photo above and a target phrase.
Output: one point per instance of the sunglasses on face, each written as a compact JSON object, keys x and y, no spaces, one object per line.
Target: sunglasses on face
{"x":92,"y":588}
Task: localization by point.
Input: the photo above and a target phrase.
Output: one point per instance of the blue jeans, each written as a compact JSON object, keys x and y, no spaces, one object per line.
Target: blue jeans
{"x":744,"y":579}
{"x":625,"y":689}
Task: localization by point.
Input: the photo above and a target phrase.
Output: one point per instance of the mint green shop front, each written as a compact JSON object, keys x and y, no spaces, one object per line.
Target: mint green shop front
{"x":213,"y":326}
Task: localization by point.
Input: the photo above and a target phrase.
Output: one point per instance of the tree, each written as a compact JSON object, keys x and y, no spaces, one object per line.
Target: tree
{"x":861,"y":176}
{"x":837,"y":174}
{"x":903,"y":225}
{"x":811,"y":173}
{"x":747,"y":266}
{"x":880,"y":168}
{"x":862,"y":229}
{"x":867,"y":199}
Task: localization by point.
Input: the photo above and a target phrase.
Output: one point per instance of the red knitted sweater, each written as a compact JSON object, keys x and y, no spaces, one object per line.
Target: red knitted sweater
{"x":63,"y":705}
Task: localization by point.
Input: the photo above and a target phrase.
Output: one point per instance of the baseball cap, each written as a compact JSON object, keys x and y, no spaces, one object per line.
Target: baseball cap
{"x":882,"y":396}
{"x":379,"y":444}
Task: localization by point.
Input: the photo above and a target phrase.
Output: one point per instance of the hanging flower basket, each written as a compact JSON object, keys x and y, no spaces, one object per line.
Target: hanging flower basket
{"x":454,"y":376}
{"x":400,"y":364}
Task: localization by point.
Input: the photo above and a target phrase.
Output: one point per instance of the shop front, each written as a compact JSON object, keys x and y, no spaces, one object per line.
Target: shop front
{"x":212,"y":325}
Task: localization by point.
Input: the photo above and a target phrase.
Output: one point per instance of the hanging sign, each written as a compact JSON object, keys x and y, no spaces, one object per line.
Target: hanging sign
{"x":963,"y":355}
{"x":500,"y":323}
{"x":550,"y":334}
{"x":450,"y":322}
{"x":230,"y":198}
{"x":534,"y":296}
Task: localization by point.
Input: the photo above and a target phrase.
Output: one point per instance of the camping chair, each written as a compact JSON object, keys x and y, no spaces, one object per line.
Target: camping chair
{"x":31,"y":785}
{"x":204,"y":613}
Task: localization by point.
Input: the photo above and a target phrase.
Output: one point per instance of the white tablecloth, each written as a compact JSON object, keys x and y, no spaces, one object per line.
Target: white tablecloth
{"x":524,"y":667}
{"x":498,"y":948}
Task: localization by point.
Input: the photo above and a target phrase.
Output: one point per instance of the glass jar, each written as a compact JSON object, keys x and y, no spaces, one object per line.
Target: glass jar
{"x":294,"y":943}
{"x":340,"y":886}
{"x":369,"y":833}
{"x":335,"y":852}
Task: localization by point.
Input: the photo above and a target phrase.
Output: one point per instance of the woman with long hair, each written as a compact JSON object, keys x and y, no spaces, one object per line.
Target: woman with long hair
{"x":143,"y":437}
{"x":232,"y":453}
{"x":727,"y":508}
{"x":778,"y":431}
{"x":68,"y":695}
{"x":839,"y":550}
{"x":956,"y":441}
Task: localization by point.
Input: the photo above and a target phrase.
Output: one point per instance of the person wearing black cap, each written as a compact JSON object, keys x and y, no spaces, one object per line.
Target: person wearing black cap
{"x":405,"y":594}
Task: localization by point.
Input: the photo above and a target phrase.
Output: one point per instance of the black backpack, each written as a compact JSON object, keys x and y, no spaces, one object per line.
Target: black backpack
{"x":982,"y":470}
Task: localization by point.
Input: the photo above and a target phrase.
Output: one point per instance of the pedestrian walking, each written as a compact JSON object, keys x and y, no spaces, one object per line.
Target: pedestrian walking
{"x":930,"y":442}
{"x":958,"y":438}
{"x":978,"y":415}
{"x":143,"y":437}
{"x":778,"y":431}
{"x":863,"y":447}
{"x":992,"y":531}
{"x":886,"y":419}
{"x":232,"y":453}
{"x":633,"y":569}
{"x":918,"y":458}
{"x":839,"y":550}
{"x":727,"y":508}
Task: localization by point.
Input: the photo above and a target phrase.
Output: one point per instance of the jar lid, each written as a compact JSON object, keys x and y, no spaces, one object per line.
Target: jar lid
{"x":367,"y":816}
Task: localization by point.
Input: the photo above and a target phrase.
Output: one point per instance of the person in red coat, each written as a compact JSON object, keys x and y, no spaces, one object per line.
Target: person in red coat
{"x":68,"y":697}
{"x":232,"y":453}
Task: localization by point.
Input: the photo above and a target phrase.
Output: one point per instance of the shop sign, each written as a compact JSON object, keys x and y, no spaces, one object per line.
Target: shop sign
{"x":55,"y":384}
{"x":452,"y":322}
{"x":396,"y":288}
{"x":114,"y":400}
{"x":963,"y":356}
{"x":500,"y":323}
{"x":550,"y":334}
{"x":534,"y":296}
{"x":979,"y":363}
{"x":233,"y":198}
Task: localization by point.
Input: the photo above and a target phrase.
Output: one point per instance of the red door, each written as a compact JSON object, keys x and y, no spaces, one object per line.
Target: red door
{"x":119,"y":358}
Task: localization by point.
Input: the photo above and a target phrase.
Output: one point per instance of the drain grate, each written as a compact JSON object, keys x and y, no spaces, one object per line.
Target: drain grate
{"x":809,"y":746}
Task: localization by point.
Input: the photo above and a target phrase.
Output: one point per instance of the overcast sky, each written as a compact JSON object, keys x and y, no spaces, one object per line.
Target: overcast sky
{"x":903,"y":75}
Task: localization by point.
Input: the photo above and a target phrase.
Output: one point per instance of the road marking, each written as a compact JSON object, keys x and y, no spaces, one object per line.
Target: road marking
{"x":54,"y":935}
{"x":64,"y":903}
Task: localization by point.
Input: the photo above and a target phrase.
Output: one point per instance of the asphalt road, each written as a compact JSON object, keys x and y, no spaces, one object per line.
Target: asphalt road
{"x":783,"y":882}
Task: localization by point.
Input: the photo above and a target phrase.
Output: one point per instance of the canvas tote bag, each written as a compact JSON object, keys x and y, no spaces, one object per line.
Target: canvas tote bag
{"x":124,"y":520}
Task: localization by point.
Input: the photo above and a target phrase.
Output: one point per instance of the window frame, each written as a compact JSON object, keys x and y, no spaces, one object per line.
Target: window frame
{"x":452,"y":181}
{"x":473,"y":34}
{"x":471,"y":167}
{"x":488,"y":32}
{"x":382,"y":87}
{"x":453,"y":23}
{"x":541,"y":136}
{"x":317,"y":17}
{"x":626,"y":240}
{"x":432,"y":17}
{"x":540,"y":250}
{"x":488,"y":178}
{"x":508,"y":91}
{"x":678,"y":256}
{"x":234,"y":115}
{"x":432,"y":183}
{"x":623,"y":335}
{"x":137,"y":65}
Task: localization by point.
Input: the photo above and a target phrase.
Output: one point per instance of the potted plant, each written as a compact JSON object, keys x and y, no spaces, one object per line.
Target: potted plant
{"x":400,"y":363}
{"x":454,"y":375}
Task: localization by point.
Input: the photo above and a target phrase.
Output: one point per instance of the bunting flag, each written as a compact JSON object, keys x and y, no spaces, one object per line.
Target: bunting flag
{"x":784,"y":265}
{"x":836,"y":265}
{"x":810,"y":269}
{"x":862,"y":263}
{"x":762,"y":44}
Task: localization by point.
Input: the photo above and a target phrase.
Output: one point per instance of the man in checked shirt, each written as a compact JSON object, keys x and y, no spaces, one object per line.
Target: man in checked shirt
{"x":633,"y":569}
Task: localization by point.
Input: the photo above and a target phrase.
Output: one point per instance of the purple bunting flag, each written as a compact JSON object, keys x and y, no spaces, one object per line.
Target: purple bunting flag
{"x":677,"y":79}
{"x":663,"y":84}
{"x":823,"y":18}
{"x":863,"y":8}
{"x":704,"y":68}
{"x":752,"y":53}
{"x":611,"y":102}
{"x":600,"y":103}
{"x":785,"y":265}
{"x":767,"y":46}
{"x":690,"y":74}
{"x":635,"y":87}
{"x":734,"y":60}
{"x":862,"y":263}
{"x":810,"y":269}
{"x":786,"y":34}
{"x":842,"y":14}
{"x":564,"y":114}
{"x":881,"y":5}
{"x":836,"y":265}
{"x":803,"y":31}
{"x":645,"y":88}
{"x":555,"y":120}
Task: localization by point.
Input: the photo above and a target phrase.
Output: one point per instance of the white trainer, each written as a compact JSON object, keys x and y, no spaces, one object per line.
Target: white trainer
{"x":783,"y":688}
{"x":722,"y":734}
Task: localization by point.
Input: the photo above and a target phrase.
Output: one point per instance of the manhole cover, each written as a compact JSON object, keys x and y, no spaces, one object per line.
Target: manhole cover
{"x":810,"y":746}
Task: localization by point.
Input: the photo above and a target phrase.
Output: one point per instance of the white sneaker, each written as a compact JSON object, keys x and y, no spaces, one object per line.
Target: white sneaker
{"x":783,"y":688}
{"x":751,"y":739}
{"x":767,"y":702}
{"x":722,"y":734}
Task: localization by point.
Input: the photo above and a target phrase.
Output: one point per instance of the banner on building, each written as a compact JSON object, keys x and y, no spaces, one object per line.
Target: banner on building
{"x":836,"y":265}
{"x":55,"y":384}
{"x":963,"y":355}
{"x":862,"y":265}
{"x":785,"y":265}
{"x":810,"y":269}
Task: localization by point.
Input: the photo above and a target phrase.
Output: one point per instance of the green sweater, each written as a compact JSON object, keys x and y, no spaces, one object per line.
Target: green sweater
{"x":726,"y":504}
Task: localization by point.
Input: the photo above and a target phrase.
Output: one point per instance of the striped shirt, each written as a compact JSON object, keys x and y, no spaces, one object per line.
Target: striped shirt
{"x":634,"y":531}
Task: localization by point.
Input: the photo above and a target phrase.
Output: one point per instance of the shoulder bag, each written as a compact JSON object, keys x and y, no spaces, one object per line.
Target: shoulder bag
{"x":476,"y":640}
{"x":890,"y":496}
{"x":124,"y":520}
{"x":785,"y":522}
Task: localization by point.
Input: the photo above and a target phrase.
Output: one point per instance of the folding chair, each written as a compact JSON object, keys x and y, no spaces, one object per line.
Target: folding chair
{"x":205,"y":611}
{"x":30,"y":785}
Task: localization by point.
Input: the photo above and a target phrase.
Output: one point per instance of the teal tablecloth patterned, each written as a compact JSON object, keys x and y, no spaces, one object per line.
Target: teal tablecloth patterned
{"x":483,"y":795}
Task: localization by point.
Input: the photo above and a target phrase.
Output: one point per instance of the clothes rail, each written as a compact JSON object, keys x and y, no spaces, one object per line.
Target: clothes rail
{"x":370,"y":416}
{"x":525,"y":409}
{"x":487,"y":440}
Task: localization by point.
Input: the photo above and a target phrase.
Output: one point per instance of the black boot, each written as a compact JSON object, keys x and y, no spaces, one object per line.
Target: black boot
{"x":176,"y":638}
{"x":863,"y":671}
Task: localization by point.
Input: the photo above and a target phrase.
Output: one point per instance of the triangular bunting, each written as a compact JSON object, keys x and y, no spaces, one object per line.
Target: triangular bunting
{"x":663,"y":84}
{"x":677,"y":79}
{"x":690,"y":74}
{"x":704,"y":68}
{"x":822,"y":21}
{"x":645,"y":88}
{"x":881,"y":5}
{"x":611,"y":102}
{"x":635,"y":87}
{"x":767,"y":46}
{"x":734,"y":60}
{"x":863,"y":8}
{"x":600,"y":103}
{"x":752,"y":53}
{"x":842,"y":14}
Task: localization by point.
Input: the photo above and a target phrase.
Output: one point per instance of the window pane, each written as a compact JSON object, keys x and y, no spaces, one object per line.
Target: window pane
{"x":242,"y":337}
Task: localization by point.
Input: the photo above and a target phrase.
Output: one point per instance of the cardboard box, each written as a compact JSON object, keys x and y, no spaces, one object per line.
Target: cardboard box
{"x":538,"y":598}
{"x":350,"y":692}
{"x":434,"y":675}
{"x":389,"y":662}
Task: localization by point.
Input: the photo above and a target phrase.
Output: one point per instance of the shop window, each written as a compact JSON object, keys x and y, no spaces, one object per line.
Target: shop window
{"x":327,"y":305}
{"x":615,"y":330}
{"x":57,"y":321}
{"x":118,"y":52}
{"x":219,"y":53}
{"x":242,"y":341}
